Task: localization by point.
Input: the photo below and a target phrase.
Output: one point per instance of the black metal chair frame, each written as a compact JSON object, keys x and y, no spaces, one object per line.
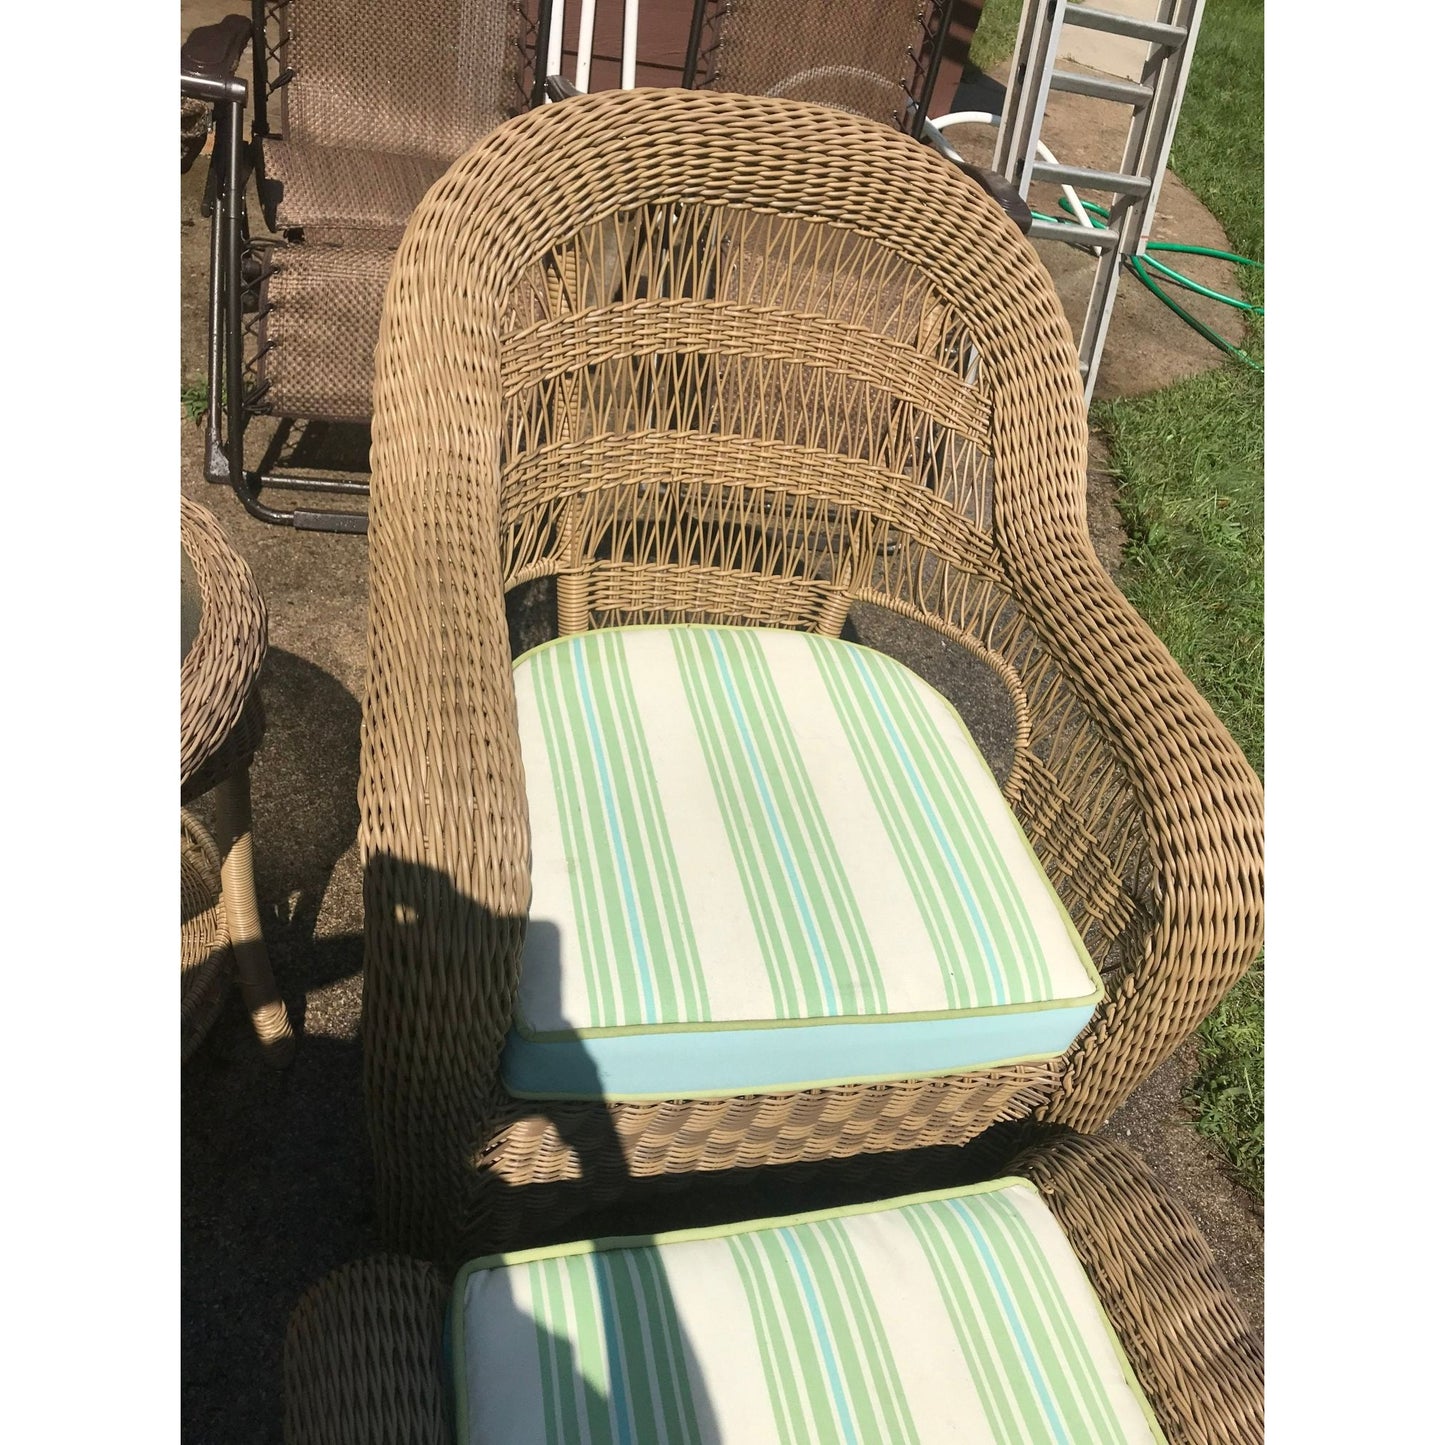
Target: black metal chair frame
{"x":238,"y":266}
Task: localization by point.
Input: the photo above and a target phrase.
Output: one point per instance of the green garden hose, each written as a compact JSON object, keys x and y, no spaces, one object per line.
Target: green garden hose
{"x":1138,"y":265}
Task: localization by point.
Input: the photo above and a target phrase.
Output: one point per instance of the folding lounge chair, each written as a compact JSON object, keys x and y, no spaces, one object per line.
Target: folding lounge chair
{"x":702,"y":884}
{"x":357,"y":106}
{"x":876,"y":58}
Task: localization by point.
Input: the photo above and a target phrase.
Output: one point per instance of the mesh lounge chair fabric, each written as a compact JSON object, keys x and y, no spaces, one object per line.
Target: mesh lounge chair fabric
{"x":324,"y":190}
{"x":400,"y":79}
{"x":725,"y":359}
{"x":862,"y":57}
{"x":323,"y":307}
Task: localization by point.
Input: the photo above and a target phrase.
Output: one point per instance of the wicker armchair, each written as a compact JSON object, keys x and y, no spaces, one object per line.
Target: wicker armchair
{"x":364,"y":1351}
{"x":357,"y":106}
{"x":725,"y":359}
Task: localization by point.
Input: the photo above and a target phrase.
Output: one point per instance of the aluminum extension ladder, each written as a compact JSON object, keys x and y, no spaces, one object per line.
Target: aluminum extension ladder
{"x":1154,"y":98}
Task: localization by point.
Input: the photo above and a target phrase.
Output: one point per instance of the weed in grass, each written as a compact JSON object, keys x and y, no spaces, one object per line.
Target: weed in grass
{"x":195,"y":396}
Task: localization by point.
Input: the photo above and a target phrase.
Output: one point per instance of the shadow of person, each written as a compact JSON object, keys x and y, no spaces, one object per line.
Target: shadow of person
{"x":623,"y":1369}
{"x":304,"y":789}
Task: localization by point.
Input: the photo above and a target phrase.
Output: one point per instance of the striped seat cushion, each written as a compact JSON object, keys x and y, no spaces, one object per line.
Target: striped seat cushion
{"x":765,"y":860}
{"x":957,"y":1316}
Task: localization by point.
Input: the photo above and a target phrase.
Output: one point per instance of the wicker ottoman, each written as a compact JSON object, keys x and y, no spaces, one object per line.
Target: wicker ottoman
{"x":223,"y":623}
{"x":366,"y":1353}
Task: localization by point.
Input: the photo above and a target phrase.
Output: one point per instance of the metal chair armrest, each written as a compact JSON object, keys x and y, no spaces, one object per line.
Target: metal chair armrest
{"x":211,"y":53}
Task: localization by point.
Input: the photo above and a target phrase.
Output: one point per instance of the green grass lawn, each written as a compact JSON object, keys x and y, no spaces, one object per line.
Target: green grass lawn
{"x":1190,"y":462}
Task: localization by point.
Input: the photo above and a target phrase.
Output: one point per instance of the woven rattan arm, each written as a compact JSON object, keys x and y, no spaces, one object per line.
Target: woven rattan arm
{"x":444,"y":835}
{"x":1197,"y":1358}
{"x":1202,"y":804}
{"x":221,"y":717}
{"x":363,"y":1361}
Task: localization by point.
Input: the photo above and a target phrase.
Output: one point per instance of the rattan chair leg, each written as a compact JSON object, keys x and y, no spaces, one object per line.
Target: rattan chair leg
{"x":243,"y":920}
{"x":363,"y":1358}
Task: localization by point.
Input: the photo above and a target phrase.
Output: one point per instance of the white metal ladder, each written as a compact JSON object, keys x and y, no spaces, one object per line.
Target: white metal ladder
{"x":1154,"y":99}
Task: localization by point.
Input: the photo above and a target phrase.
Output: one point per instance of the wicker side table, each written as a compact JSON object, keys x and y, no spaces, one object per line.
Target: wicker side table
{"x":221,"y":728}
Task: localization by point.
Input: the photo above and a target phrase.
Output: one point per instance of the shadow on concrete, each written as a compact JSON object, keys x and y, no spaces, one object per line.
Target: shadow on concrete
{"x":319,"y":446}
{"x":275,"y":1177}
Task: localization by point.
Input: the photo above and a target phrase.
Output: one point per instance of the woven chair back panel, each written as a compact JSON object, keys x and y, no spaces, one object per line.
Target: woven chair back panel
{"x":427,"y":78}
{"x":724,"y":391}
{"x":864,"y":57}
{"x":724,"y":415}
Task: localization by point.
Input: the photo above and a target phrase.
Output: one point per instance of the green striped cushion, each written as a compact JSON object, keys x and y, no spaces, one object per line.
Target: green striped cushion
{"x":961,"y":1316}
{"x":765,"y":859}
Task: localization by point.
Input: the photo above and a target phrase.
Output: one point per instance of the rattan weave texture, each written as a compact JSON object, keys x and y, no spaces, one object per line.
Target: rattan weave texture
{"x":205,"y":944}
{"x":221,"y":718}
{"x":221,"y":728}
{"x":363,"y":1357}
{"x":705,"y":357}
{"x":1196,"y":1356}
